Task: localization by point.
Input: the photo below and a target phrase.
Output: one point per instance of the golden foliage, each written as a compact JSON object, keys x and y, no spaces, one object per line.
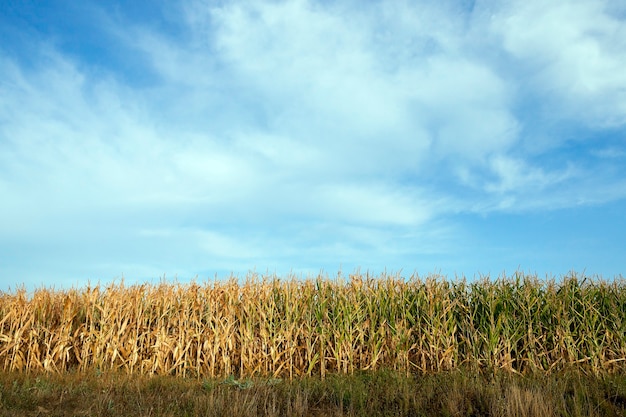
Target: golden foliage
{"x":291,"y":328}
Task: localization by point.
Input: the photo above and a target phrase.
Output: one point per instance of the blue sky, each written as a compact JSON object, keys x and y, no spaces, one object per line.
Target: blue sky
{"x":195,"y":138}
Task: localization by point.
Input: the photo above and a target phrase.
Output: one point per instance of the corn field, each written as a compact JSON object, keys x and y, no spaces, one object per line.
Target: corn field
{"x":265,"y":326}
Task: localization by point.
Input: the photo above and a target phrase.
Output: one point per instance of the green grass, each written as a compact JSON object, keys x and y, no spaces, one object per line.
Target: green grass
{"x":379,"y":393}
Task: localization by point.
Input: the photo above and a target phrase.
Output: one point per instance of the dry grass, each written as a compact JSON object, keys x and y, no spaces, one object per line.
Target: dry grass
{"x":294,"y":328}
{"x":368,"y":394}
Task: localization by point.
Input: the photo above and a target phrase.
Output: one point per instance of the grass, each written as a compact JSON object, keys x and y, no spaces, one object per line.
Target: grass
{"x":366,"y":393}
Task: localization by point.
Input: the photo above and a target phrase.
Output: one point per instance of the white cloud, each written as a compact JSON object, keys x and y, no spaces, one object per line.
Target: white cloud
{"x":373,"y":203}
{"x":320,"y":94}
{"x":313,"y":68}
{"x":574,"y":52}
{"x":272,"y":131}
{"x":514,"y":175}
{"x":282,"y":153}
{"x":333,"y":74}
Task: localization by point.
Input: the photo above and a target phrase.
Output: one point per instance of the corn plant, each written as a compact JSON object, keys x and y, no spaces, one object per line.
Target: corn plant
{"x":267,"y":326}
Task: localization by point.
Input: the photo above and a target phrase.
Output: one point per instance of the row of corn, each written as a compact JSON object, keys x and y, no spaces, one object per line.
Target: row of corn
{"x":266,"y":326}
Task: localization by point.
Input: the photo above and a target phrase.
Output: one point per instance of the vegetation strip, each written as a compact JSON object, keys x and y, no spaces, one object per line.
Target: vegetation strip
{"x":291,"y":328}
{"x":366,"y":393}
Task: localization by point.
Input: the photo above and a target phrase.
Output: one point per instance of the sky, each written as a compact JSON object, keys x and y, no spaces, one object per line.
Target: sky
{"x":194,"y":139}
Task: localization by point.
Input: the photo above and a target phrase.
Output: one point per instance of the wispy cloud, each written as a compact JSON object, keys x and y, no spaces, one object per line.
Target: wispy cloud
{"x":572,"y":53}
{"x":298,"y":133}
